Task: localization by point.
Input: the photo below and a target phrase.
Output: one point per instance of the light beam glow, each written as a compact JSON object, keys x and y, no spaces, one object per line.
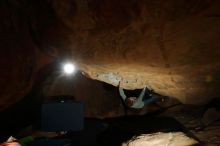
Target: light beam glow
{"x":69,"y":68}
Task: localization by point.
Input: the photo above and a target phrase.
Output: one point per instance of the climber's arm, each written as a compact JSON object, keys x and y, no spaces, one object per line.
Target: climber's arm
{"x":121,"y":91}
{"x":140,"y":97}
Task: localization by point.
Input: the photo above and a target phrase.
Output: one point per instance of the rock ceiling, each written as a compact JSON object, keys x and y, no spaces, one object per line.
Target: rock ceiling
{"x":170,"y":46}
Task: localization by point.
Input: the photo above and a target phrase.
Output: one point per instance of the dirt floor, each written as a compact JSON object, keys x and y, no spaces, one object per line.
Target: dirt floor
{"x":190,"y":117}
{"x":117,"y":130}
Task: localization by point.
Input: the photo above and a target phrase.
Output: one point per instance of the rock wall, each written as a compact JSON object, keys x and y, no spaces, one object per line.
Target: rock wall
{"x":170,"y":46}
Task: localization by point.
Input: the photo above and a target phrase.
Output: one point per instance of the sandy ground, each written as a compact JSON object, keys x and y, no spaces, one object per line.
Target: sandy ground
{"x":189,"y":116}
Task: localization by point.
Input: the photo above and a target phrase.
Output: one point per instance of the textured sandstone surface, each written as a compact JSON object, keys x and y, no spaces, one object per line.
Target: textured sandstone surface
{"x":161,"y":139}
{"x":170,"y":46}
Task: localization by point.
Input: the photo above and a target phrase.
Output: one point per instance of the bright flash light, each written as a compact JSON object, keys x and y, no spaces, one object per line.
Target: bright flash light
{"x":69,"y":68}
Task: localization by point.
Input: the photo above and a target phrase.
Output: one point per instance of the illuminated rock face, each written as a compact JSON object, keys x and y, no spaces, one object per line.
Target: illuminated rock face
{"x":160,"y":139}
{"x":172,"y":47}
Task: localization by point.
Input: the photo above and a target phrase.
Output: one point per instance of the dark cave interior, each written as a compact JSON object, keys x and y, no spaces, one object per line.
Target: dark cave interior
{"x":168,"y":50}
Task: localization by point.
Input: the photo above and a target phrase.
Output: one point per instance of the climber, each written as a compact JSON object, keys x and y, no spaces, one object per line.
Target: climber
{"x":138,"y":102}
